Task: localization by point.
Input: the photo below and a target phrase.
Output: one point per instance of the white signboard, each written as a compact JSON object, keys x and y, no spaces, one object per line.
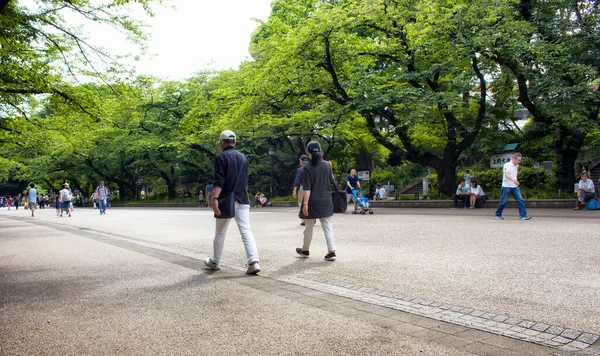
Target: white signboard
{"x":363,"y":175}
{"x":498,"y":161}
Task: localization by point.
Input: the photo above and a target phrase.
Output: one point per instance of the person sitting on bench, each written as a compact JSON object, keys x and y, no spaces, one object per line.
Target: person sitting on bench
{"x":585,"y":191}
{"x":463,"y":192}
{"x":476,"y":194}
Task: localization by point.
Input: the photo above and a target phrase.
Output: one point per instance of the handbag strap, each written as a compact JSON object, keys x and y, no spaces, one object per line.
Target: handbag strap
{"x":238,"y":170}
{"x":335,"y":184}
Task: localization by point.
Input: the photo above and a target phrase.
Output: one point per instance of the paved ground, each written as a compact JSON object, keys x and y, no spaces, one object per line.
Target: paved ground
{"x":131,"y":282}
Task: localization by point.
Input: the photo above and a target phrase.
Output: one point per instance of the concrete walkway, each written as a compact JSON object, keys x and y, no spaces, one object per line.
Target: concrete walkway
{"x":132,"y":282}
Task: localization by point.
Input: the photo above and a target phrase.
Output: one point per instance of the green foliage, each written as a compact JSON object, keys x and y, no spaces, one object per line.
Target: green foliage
{"x":393,"y":87}
{"x":399,"y":176}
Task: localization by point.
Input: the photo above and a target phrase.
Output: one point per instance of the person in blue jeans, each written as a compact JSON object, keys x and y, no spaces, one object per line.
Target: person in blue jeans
{"x":510,"y":185}
{"x":102,"y":196}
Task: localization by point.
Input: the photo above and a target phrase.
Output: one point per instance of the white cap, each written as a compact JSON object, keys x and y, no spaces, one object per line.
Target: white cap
{"x":227,"y":135}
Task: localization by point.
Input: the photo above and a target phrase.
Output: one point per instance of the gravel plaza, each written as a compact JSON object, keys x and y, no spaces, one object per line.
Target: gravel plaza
{"x":406,"y":281}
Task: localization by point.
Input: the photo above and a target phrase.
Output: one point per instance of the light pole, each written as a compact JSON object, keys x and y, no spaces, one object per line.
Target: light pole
{"x":271,"y":154}
{"x":137,"y":171}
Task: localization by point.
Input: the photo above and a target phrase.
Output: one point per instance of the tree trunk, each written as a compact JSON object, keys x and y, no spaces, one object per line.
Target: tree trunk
{"x":3,"y":4}
{"x":566,"y":148}
{"x":171,"y":189}
{"x":446,"y":170}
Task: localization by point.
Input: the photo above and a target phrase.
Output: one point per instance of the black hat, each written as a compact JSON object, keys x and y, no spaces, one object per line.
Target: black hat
{"x":304,"y":158}
{"x":313,"y":147}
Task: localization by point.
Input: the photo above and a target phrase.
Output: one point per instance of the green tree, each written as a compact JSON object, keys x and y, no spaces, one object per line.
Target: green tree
{"x":421,"y":95}
{"x":41,"y":54}
{"x":552,"y":51}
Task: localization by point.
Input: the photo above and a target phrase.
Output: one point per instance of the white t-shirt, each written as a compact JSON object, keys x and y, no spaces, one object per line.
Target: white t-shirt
{"x":477,"y":191}
{"x":380,"y":193}
{"x":587,"y":184}
{"x":512,"y":170}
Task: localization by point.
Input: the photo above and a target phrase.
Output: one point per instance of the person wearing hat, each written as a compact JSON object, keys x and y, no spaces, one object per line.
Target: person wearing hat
{"x":298,"y":191}
{"x":231,"y":178}
{"x":317,"y":179}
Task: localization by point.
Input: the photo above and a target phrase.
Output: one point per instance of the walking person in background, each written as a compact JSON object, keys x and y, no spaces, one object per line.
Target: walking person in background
{"x":231,"y":178}
{"x":317,"y":179}
{"x":57,"y":200}
{"x":40,"y":199}
{"x":65,"y":199}
{"x":467,"y":177}
{"x":201,"y":199}
{"x":102,"y":195}
{"x":32,"y":194}
{"x":510,"y":185}
{"x":16,"y":201}
{"x":298,"y":191}
{"x":95,"y":198}
{"x":351,"y":184}
{"x":209,"y":194}
{"x":9,"y":202}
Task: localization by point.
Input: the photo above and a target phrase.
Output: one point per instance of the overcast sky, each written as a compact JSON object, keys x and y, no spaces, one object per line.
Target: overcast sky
{"x":191,"y":35}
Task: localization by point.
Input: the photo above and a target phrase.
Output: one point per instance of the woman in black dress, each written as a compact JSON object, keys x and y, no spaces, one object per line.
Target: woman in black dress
{"x":317,"y":204}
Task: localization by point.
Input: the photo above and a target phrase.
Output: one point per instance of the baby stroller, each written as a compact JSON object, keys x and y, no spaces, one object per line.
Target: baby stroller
{"x":362,"y":203}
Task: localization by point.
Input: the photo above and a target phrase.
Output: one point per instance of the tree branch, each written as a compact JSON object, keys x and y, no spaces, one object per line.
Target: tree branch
{"x":470,"y":138}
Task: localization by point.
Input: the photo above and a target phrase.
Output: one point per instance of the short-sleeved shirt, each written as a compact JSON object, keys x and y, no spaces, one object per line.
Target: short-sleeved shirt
{"x":102,"y":192}
{"x":31,"y":195}
{"x":465,"y":189}
{"x":467,"y":178}
{"x":353,"y":182}
{"x":231,"y":174}
{"x":318,"y":179}
{"x":477,"y":191}
{"x":588,"y":184}
{"x":381,"y":193}
{"x":512,"y":170}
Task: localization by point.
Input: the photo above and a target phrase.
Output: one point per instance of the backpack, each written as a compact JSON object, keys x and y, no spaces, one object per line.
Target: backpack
{"x":593,"y":204}
{"x":65,"y":195}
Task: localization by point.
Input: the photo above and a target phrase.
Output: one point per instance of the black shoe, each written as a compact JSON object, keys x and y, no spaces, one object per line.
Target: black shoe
{"x":330,"y":256}
{"x":302,"y":223}
{"x":304,"y":254}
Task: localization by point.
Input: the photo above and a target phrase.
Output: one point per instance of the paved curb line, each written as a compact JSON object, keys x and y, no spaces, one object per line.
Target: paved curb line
{"x":553,"y":336}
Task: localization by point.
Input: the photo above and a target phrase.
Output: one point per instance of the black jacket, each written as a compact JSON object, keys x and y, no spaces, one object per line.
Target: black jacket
{"x":231,"y":174}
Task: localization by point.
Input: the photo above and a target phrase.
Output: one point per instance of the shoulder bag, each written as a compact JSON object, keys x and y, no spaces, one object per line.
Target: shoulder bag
{"x":339,"y":198}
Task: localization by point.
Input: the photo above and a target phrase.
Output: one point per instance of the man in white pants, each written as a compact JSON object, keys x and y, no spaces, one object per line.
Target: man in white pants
{"x":231,"y":178}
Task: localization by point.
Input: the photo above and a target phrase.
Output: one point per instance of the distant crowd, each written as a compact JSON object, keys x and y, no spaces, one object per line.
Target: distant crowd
{"x":65,"y":200}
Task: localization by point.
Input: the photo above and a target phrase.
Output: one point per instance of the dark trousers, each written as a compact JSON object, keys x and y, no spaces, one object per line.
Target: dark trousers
{"x":466,"y":198}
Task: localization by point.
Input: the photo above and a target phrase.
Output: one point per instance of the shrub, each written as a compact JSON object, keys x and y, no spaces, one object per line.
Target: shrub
{"x":535,"y":182}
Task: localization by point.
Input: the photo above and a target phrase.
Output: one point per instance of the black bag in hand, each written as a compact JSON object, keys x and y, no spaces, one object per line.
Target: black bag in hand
{"x":226,"y":205}
{"x":339,"y":198}
{"x":227,"y":199}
